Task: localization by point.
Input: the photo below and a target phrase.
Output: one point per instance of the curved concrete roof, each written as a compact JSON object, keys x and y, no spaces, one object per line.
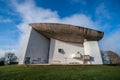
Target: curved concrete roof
{"x":68,"y":33}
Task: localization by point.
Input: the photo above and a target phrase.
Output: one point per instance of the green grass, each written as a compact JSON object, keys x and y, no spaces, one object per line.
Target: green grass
{"x":15,"y":72}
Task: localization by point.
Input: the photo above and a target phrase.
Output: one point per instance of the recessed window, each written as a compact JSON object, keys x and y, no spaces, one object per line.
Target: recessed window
{"x":61,"y":51}
{"x":27,"y":60}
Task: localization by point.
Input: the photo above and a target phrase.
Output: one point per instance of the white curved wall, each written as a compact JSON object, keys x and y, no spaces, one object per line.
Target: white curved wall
{"x":91,"y":48}
{"x":52,"y":50}
{"x":69,"y":50}
{"x":37,"y":48}
{"x":42,"y":50}
{"x":24,"y":46}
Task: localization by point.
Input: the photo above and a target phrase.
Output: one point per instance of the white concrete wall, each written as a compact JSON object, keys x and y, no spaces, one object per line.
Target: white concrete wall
{"x":52,"y":49}
{"x":70,"y":49}
{"x":91,"y":48}
{"x":37,"y":49}
{"x":23,"y":48}
{"x":42,"y":50}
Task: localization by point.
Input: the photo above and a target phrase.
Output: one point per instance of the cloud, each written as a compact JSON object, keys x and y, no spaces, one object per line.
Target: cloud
{"x":30,"y":13}
{"x":80,"y":20}
{"x":2,"y":52}
{"x":101,"y":12}
{"x":3,"y":20}
{"x":111,"y":41}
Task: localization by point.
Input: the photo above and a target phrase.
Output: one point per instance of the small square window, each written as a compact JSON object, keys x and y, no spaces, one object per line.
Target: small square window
{"x":60,"y":50}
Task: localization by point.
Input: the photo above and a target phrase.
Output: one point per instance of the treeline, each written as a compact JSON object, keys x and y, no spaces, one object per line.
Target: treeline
{"x":110,"y":57}
{"x":9,"y":58}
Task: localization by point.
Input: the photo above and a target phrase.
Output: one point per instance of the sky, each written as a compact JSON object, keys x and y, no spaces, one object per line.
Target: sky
{"x":15,"y":15}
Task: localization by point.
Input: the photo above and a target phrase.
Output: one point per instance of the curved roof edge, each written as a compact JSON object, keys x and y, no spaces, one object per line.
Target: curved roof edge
{"x":66,"y":32}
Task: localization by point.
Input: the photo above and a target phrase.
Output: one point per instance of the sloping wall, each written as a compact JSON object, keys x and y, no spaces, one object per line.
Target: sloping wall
{"x":24,"y":46}
{"x":91,"y":48}
{"x":37,"y":48}
{"x":68,"y":51}
{"x":43,"y":50}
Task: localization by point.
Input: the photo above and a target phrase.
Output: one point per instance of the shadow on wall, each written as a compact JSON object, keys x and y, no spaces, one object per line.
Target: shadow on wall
{"x":91,"y":59}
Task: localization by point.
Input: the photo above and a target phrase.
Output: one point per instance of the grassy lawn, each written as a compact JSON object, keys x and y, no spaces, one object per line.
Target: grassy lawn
{"x":15,"y":72}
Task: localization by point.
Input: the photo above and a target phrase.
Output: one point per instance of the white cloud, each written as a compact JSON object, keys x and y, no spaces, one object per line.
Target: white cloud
{"x":30,"y":13}
{"x":2,"y":20}
{"x":2,"y":52}
{"x":111,"y":41}
{"x":101,"y":12}
{"x":80,"y":20}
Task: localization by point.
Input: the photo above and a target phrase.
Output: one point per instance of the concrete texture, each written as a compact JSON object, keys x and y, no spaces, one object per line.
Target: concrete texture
{"x":68,"y":53}
{"x":48,"y":43}
{"x":37,"y":49}
{"x":67,"y":33}
{"x":24,"y":46}
{"x":91,"y":48}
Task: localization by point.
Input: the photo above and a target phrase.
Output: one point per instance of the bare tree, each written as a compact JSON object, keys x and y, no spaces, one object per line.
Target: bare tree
{"x":105,"y":57}
{"x":10,"y":57}
{"x":114,"y":57}
{"x":2,"y":61}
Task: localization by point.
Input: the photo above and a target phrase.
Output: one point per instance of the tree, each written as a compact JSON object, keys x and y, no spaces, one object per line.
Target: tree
{"x":2,"y":61}
{"x":114,"y":57}
{"x":10,"y":57}
{"x":105,"y":57}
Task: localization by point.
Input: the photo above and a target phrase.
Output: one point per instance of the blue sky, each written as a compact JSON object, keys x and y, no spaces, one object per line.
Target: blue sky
{"x":15,"y":15}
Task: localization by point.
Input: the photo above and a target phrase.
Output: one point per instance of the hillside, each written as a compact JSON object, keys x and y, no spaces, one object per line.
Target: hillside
{"x":15,"y":72}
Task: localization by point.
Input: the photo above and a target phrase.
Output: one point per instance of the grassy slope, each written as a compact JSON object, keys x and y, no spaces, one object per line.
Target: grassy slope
{"x":59,"y":73}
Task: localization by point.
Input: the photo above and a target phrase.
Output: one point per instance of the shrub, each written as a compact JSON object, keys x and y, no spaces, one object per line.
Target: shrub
{"x":1,"y":63}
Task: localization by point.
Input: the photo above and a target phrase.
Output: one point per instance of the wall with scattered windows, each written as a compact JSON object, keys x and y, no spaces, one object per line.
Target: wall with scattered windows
{"x":65,"y":52}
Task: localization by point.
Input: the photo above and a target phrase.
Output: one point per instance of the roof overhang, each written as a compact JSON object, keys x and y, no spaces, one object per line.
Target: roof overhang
{"x":67,"y":33}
